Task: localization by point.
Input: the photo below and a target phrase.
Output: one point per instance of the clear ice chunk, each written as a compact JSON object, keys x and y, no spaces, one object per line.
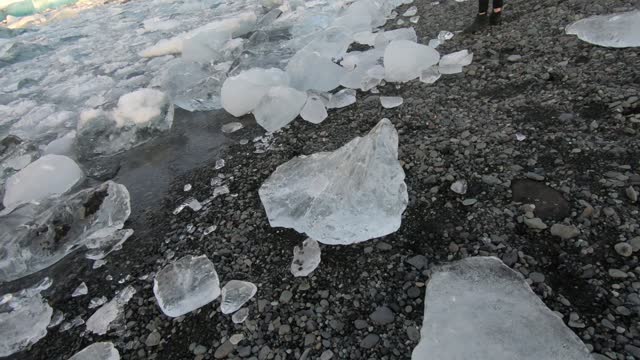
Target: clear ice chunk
{"x":279,"y":107}
{"x":414,"y":19}
{"x":236,"y":293}
{"x":219,"y":164}
{"x":430,"y":75}
{"x":191,"y":203}
{"x":478,"y":308}
{"x":231,"y":127}
{"x":185,"y":285}
{"x":306,"y":258}
{"x":101,"y":321}
{"x":242,"y":93}
{"x":390,"y":102}
{"x":617,"y":30}
{"x":412,"y":11}
{"x":342,"y":98}
{"x":454,"y":62}
{"x":240,"y":316}
{"x":309,"y":71}
{"x":404,"y":60}
{"x":445,"y":35}
{"x":314,"y":110}
{"x":350,"y":195}
{"x":80,"y":290}
{"x":98,"y":351}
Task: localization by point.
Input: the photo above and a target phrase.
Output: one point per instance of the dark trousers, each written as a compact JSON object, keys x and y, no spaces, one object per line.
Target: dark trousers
{"x":484,"y":5}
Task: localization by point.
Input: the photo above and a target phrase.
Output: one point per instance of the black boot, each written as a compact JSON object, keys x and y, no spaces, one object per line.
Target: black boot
{"x":479,"y":23}
{"x":495,"y":18}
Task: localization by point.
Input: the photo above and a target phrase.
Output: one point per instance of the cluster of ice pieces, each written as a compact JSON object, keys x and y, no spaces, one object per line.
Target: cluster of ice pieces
{"x":615,"y":30}
{"x":478,"y":308}
{"x":98,"y":351}
{"x":101,"y":321}
{"x":350,"y":195}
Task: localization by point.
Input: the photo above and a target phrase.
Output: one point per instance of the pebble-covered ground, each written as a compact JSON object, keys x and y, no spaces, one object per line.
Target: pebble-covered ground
{"x":578,"y":107}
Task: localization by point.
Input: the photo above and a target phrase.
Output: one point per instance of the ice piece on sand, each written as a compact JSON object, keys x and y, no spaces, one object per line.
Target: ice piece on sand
{"x":100,"y":322}
{"x":95,"y":302}
{"x":24,"y":317}
{"x":305,"y":259}
{"x":342,"y":98}
{"x":236,"y":293}
{"x":445,"y":35}
{"x":478,"y":308}
{"x":459,"y":187}
{"x":309,"y":71}
{"x":220,"y":190}
{"x":411,"y":11}
{"x":242,"y":93}
{"x":240,"y":316}
{"x":314,"y":110}
{"x":384,"y":38}
{"x":279,"y":107}
{"x":219,"y":164}
{"x":430,"y":75}
{"x":617,"y":30}
{"x":353,"y":194}
{"x":61,"y":174}
{"x":186,"y":285}
{"x":80,"y":290}
{"x":231,"y":127}
{"x":404,"y":60}
{"x":98,"y":351}
{"x":389,"y":102}
{"x":414,"y":20}
{"x":453,"y":63}
{"x":191,"y":203}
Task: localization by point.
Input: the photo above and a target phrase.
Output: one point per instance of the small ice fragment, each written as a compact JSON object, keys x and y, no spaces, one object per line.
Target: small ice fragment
{"x":430,"y":75}
{"x":314,"y":110}
{"x":459,"y":187}
{"x":231,"y":127}
{"x":186,"y":285}
{"x":236,"y":338}
{"x":216,"y":181}
{"x":56,"y":319}
{"x":220,"y":190}
{"x":219,"y":164}
{"x":305,"y":259}
{"x":243,"y":141}
{"x":411,"y":11}
{"x":434,"y":43}
{"x":342,"y":98}
{"x":98,"y":351}
{"x":98,"y":264}
{"x":389,"y":102}
{"x":190,"y":203}
{"x":210,"y":229}
{"x":95,"y":302}
{"x":521,"y":137}
{"x":415,"y":19}
{"x":240,"y":316}
{"x":80,"y":290}
{"x":453,"y":63}
{"x":187,"y":187}
{"x":235,"y":294}
{"x":400,"y":22}
{"x":100,"y":322}
{"x":445,"y":35}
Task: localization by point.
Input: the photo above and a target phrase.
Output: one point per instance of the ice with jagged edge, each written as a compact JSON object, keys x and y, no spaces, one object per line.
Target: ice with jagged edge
{"x":478,"y":308}
{"x":186,"y":285}
{"x":98,"y":351}
{"x":235,"y":294}
{"x":35,"y":236}
{"x":101,"y":321}
{"x":618,"y":30}
{"x":306,"y":258}
{"x":405,"y":60}
{"x":454,"y":62}
{"x":350,"y":195}
{"x":24,"y":317}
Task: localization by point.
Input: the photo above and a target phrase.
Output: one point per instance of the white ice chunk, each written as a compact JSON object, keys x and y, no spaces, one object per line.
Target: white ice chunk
{"x":95,"y":302}
{"x":158,"y":24}
{"x":454,"y":62}
{"x":62,"y":145}
{"x":353,"y":194}
{"x":241,"y":94}
{"x":390,"y":102}
{"x":404,"y":60}
{"x":100,"y":322}
{"x":342,"y":98}
{"x":61,"y":174}
{"x":430,"y":75}
{"x":411,"y":11}
{"x":384,"y":38}
{"x":478,"y":308}
{"x":459,"y":187}
{"x":80,"y":290}
{"x":270,"y":4}
{"x":314,"y":110}
{"x":219,"y":164}
{"x":231,"y":127}
{"x":205,"y":47}
{"x":191,"y":203}
{"x":308,"y":70}
{"x":445,"y":35}
{"x":236,"y":293}
{"x":614,"y":30}
{"x":414,"y":20}
{"x":279,"y":107}
{"x":186,"y":285}
{"x":98,"y":351}
{"x":305,"y":259}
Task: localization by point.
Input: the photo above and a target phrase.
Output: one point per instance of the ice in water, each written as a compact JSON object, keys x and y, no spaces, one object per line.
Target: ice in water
{"x":231,"y":127}
{"x":279,"y":107}
{"x":80,"y":290}
{"x":389,"y":102}
{"x":478,"y":308}
{"x":236,"y":293}
{"x":240,"y":316}
{"x":350,"y":195}
{"x":306,"y":258}
{"x":61,"y":172}
{"x":314,"y":110}
{"x":342,"y":98}
{"x":100,"y":322}
{"x":454,"y":62}
{"x":185,"y":285}
{"x":98,"y":351}
{"x":24,"y":317}
{"x":404,"y":60}
{"x":242,"y":93}
{"x":614,"y":30}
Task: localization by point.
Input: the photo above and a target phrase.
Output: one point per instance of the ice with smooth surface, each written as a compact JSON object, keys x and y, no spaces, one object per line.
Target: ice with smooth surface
{"x":80,"y":290}
{"x":404,"y":60}
{"x":98,"y":351}
{"x":24,"y":317}
{"x":411,"y":11}
{"x":306,"y":258}
{"x":454,"y":62}
{"x":618,"y":30}
{"x":242,"y":93}
{"x":478,"y":308}
{"x":390,"y":102}
{"x":350,"y":195}
{"x":100,"y":322}
{"x":314,"y":111}
{"x":280,"y":106}
{"x":185,"y":285}
{"x":61,"y":174}
{"x":310,"y":71}
{"x":240,"y":316}
{"x":231,"y":127}
{"x":235,"y":294}
{"x":342,"y":98}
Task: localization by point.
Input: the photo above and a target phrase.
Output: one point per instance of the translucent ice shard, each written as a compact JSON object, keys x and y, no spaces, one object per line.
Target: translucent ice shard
{"x":353,"y":194}
{"x":98,"y":351}
{"x":411,"y":11}
{"x":615,"y":30}
{"x":305,"y":258}
{"x":279,"y":107}
{"x":342,"y":98}
{"x":404,"y":60}
{"x":310,"y":71}
{"x":240,"y":316}
{"x":241,"y":94}
{"x":100,"y":322}
{"x":430,"y":75}
{"x":314,"y":110}
{"x":478,"y":308}
{"x":80,"y":290}
{"x":186,"y":285}
{"x":236,"y":293}
{"x":231,"y":127}
{"x":454,"y":62}
{"x":389,"y":102}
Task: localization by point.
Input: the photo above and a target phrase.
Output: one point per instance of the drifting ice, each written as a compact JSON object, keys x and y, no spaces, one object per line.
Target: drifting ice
{"x":235,"y":294}
{"x":100,"y":322}
{"x":353,"y":194}
{"x":478,"y":308}
{"x":186,"y":285}
{"x":98,"y":351}
{"x":404,"y":60}
{"x":305,"y":259}
{"x":616,"y":30}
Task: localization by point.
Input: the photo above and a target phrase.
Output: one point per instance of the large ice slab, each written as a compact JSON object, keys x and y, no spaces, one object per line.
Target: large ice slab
{"x":350,"y":195}
{"x":98,"y":351}
{"x":241,"y":94}
{"x":24,"y":317}
{"x":305,"y":258}
{"x":101,"y":321}
{"x":615,"y":30}
{"x":236,"y":293}
{"x":61,"y":174}
{"x":280,"y":106}
{"x":478,"y":308}
{"x":186,"y":285}
{"x":404,"y":60}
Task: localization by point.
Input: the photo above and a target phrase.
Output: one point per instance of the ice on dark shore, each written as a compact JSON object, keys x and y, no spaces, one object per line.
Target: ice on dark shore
{"x":390,"y":102}
{"x":100,"y":322}
{"x":618,"y":30}
{"x":242,"y":93}
{"x":454,"y":62}
{"x":306,"y":258}
{"x":98,"y":351}
{"x":314,"y":110}
{"x":80,"y":290}
{"x":405,"y":60}
{"x":353,"y":194}
{"x":235,"y":294}
{"x":278,"y":107}
{"x":478,"y":308}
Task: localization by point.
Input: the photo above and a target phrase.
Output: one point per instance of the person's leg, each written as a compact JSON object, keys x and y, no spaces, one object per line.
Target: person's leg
{"x":482,"y":20}
{"x":495,"y":18}
{"x":483,"y":7}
